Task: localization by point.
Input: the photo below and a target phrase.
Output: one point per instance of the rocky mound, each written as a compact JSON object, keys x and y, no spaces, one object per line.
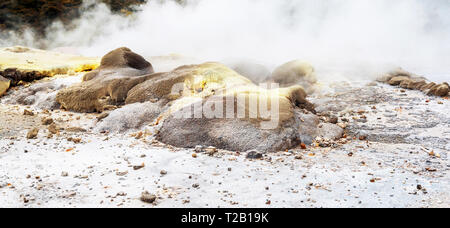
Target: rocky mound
{"x":408,"y":80}
{"x":107,"y":86}
{"x":207,"y":104}
{"x":212,"y":105}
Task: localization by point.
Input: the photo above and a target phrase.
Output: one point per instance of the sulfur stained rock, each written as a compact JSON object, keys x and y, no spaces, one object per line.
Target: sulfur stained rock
{"x":4,"y":85}
{"x":200,"y":112}
{"x":119,"y":72}
{"x":187,"y":81}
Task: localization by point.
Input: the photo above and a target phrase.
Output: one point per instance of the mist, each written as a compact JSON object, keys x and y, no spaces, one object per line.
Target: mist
{"x":352,"y":38}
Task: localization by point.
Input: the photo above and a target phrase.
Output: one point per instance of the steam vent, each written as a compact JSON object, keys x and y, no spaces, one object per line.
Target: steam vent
{"x":224,"y":104}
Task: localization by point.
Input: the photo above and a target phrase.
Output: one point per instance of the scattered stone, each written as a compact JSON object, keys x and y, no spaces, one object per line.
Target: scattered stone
{"x":163,"y":172}
{"x":303,"y":146}
{"x":254,"y":155}
{"x":342,"y":125}
{"x":75,"y":129}
{"x":47,"y":121}
{"x":64,"y":174}
{"x":139,"y":135}
{"x":53,"y":129}
{"x":196,"y":185}
{"x":146,"y":197}
{"x":122,"y":173}
{"x":74,"y":140}
{"x":27,"y":112}
{"x":211,"y":150}
{"x":121,"y":194}
{"x":194,"y":155}
{"x":138,"y":167}
{"x":198,"y":149}
{"x":333,"y":120}
{"x":32,"y":134}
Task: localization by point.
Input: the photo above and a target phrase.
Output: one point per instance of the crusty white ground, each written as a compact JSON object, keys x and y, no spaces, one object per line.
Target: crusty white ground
{"x":100,"y":169}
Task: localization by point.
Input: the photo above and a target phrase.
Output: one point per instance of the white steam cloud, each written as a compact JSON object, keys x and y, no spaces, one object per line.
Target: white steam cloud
{"x":331,"y":34}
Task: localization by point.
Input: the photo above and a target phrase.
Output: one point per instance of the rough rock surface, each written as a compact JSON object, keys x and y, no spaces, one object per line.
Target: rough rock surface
{"x":295,"y":72}
{"x":408,"y":80}
{"x":210,"y":86}
{"x":4,"y":85}
{"x":129,"y":117}
{"x":119,"y":72}
{"x":403,"y":163}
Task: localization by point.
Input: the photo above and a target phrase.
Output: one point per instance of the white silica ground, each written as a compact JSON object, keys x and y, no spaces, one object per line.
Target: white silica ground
{"x":393,"y":169}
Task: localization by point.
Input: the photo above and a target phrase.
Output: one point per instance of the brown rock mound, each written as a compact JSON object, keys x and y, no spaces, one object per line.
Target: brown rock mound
{"x":119,"y":72}
{"x":408,"y":80}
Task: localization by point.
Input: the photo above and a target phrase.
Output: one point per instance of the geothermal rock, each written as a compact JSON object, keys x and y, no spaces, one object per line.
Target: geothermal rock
{"x":440,"y":90}
{"x":129,"y":117}
{"x":410,"y":81}
{"x":330,"y":131}
{"x":308,"y":130}
{"x":395,"y":81}
{"x":26,"y":64}
{"x":121,"y":61}
{"x":295,"y":73}
{"x":238,"y":134}
{"x":119,"y":72}
{"x":192,"y":80}
{"x":4,"y":85}
{"x":212,"y":105}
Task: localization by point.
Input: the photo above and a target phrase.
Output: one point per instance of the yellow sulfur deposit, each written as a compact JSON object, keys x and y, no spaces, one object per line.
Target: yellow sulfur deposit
{"x":47,"y":63}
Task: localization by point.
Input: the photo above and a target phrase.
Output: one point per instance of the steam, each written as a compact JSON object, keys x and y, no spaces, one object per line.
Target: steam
{"x":355,"y":37}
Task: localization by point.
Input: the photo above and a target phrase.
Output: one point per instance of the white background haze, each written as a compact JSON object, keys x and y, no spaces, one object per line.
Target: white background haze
{"x":338,"y":35}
